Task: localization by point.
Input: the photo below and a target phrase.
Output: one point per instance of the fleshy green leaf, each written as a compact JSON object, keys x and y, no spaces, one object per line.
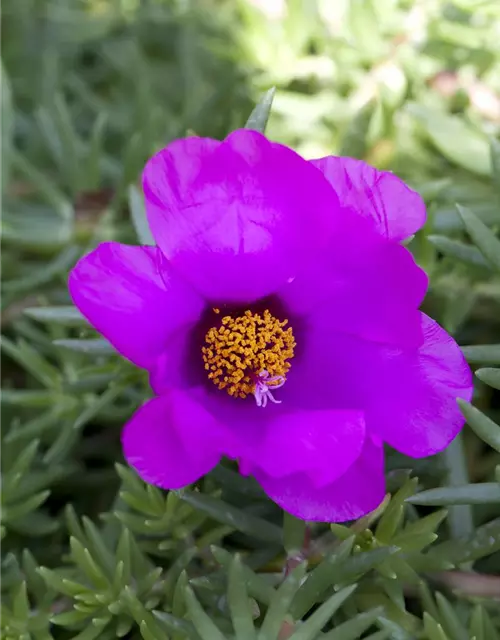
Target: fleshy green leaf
{"x":25,"y":398}
{"x":483,"y":354}
{"x":256,"y":584}
{"x":16,"y":511}
{"x":62,"y":585}
{"x":68,"y":316}
{"x":481,"y":493}
{"x":51,"y":193}
{"x":483,"y":237}
{"x":201,"y":621}
{"x":96,"y":149}
{"x":355,"y":627}
{"x":360,"y":563}
{"x":177,"y":627}
{"x":280,"y":604}
{"x":393,"y":514}
{"x":455,"y":139}
{"x":239,"y":603}
{"x":379,"y":635}
{"x":363,"y":28}
{"x":495,"y":163}
{"x":104,"y":400}
{"x":46,"y":273}
{"x":230,"y":515}
{"x":87,"y":564}
{"x":7,"y":125}
{"x":483,"y":426}
{"x":320,"y":579}
{"x":32,"y":360}
{"x":294,"y":532}
{"x":260,"y":115}
{"x":484,"y":541}
{"x":490,"y":376}
{"x":94,"y":346}
{"x":449,"y":619}
{"x":354,"y":141}
{"x":476,"y":628}
{"x":138,"y":214}
{"x":313,"y":625}
{"x":459,"y":250}
{"x":433,"y":630}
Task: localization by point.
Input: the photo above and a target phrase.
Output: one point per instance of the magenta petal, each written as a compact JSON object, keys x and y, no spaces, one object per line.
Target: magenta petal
{"x":132,"y":296}
{"x":408,"y":395}
{"x":322,"y":443}
{"x":174,"y":367}
{"x":360,"y":490}
{"x":237,"y":218}
{"x":369,"y":289}
{"x":396,"y":211}
{"x":418,"y":413}
{"x":283,"y":440}
{"x":172,"y":441}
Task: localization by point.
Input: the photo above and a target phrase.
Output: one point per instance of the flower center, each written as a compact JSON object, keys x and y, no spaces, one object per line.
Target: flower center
{"x":249,"y":354}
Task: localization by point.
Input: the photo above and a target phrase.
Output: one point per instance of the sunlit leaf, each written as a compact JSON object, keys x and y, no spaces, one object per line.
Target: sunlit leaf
{"x":480,"y":493}
{"x":260,"y":115}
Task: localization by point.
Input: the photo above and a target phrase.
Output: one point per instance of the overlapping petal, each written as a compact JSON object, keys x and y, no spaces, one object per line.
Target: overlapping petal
{"x":357,"y":492}
{"x":237,"y":218}
{"x":419,"y":415}
{"x":133,"y":297}
{"x":173,"y":441}
{"x":281,"y":440}
{"x":395,"y":210}
{"x":174,"y":367}
{"x":366,"y":287}
{"x":323,"y":444}
{"x":408,"y":395}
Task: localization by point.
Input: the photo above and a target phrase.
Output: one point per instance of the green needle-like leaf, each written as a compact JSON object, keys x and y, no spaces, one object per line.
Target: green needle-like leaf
{"x":483,"y":354}
{"x":92,"y":347}
{"x":227,"y":514}
{"x":320,"y":579}
{"x":203,"y":624}
{"x":68,"y":316}
{"x":495,"y":163}
{"x":483,"y":426}
{"x":313,"y":625}
{"x":489,"y":376}
{"x":239,"y":603}
{"x":433,"y":630}
{"x":260,"y":115}
{"x":138,"y":213}
{"x":393,"y":514}
{"x":7,"y":124}
{"x":482,"y":493}
{"x":280,"y":604}
{"x":459,"y":251}
{"x":355,"y":627}
{"x":257,"y":586}
{"x":449,"y":619}
{"x":483,"y":237}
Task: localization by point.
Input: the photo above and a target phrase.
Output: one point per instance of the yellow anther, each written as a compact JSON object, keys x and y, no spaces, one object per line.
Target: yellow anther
{"x":240,"y":349}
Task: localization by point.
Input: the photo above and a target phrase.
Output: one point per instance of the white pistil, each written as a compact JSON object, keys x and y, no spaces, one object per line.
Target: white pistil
{"x":264,"y":388}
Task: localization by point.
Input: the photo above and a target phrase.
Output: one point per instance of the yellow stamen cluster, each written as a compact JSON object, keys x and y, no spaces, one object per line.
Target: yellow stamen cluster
{"x":240,"y":348}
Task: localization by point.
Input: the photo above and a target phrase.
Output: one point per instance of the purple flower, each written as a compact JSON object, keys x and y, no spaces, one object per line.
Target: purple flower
{"x":278,"y":319}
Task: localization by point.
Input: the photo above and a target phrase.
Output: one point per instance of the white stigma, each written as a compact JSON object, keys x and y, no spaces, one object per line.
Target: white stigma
{"x":265,"y":386}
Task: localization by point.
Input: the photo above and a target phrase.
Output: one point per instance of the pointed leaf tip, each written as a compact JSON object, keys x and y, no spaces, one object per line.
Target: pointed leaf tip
{"x":260,"y":115}
{"x":483,"y":237}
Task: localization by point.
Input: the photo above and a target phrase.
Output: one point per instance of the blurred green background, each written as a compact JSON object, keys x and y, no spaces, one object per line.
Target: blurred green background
{"x":90,"y":89}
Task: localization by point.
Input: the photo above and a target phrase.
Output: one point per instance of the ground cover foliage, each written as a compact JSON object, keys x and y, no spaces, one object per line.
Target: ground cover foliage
{"x":89,"y":91}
